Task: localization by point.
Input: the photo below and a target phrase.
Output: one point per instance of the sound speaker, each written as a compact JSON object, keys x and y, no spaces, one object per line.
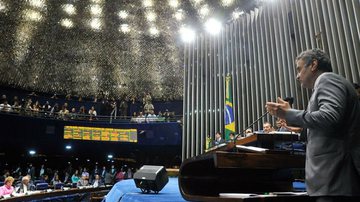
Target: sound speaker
{"x":151,"y":178}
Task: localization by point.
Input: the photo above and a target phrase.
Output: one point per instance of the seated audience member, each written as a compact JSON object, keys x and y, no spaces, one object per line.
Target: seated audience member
{"x":109,"y":178}
{"x":83,"y":181}
{"x":75,"y":177}
{"x":140,"y":118}
{"x":151,"y":117}
{"x":218,"y":139}
{"x":7,"y":188}
{"x":97,"y":182}
{"x":267,"y":128}
{"x":128,"y":174}
{"x":25,"y":185}
{"x":149,"y":108}
{"x":55,"y":180}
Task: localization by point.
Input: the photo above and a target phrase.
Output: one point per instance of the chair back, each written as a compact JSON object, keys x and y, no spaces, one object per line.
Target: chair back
{"x":42,"y":186}
{"x":59,"y":186}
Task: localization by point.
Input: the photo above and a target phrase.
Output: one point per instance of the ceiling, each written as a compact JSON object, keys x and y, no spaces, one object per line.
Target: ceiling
{"x":120,"y":47}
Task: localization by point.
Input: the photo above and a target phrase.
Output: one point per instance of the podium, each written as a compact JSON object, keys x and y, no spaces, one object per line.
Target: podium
{"x":230,"y":170}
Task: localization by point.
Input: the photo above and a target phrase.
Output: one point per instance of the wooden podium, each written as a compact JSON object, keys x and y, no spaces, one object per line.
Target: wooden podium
{"x":205,"y":177}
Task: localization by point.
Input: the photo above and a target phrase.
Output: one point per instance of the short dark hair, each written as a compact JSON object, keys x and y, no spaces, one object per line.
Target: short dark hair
{"x":356,"y":86}
{"x":316,"y":54}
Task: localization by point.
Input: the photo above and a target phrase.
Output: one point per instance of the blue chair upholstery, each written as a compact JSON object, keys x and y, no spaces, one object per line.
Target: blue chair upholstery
{"x":59,"y":186}
{"x":42,"y":186}
{"x":38,"y":181}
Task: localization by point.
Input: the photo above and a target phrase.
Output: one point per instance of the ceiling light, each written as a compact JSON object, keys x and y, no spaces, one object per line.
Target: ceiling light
{"x":69,"y":9}
{"x":187,"y":34}
{"x":2,"y":6}
{"x":227,"y":2}
{"x":213,"y":26}
{"x":154,"y":31}
{"x":32,"y":152}
{"x":68,"y":147}
{"x":123,"y":14}
{"x":179,"y":15}
{"x":204,"y":11}
{"x":150,"y":16}
{"x":95,"y":10}
{"x":32,"y":15}
{"x":67,"y":23}
{"x":147,"y":3}
{"x":174,"y":3}
{"x":37,"y":3}
{"x":236,"y":14}
{"x":110,"y":156}
{"x":95,"y":24}
{"x":124,"y":28}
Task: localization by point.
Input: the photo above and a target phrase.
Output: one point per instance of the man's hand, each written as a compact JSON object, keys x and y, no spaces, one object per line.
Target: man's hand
{"x":278,"y":108}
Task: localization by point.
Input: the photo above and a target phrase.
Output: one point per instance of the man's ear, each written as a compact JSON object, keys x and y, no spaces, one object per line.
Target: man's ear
{"x":314,"y":65}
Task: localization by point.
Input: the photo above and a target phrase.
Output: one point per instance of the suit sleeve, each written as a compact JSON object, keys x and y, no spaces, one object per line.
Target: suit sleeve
{"x":330,"y":98}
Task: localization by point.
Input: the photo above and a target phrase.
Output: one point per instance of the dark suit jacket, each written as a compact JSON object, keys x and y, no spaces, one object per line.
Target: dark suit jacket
{"x":30,"y":187}
{"x":333,"y":148}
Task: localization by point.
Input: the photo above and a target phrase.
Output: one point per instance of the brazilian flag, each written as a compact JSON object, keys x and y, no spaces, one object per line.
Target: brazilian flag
{"x":229,"y":111}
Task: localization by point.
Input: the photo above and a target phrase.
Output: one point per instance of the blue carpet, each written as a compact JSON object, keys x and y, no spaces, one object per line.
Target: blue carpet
{"x":126,"y":190}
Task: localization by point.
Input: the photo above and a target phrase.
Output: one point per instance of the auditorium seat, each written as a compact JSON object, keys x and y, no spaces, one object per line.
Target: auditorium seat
{"x":42,"y":186}
{"x":38,"y":181}
{"x":59,"y":186}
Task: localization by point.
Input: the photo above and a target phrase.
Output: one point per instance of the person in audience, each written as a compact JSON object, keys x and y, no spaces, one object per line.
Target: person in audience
{"x":46,"y":107}
{"x":25,"y":185}
{"x":149,"y":108}
{"x":86,"y":173}
{"x":73,"y":114}
{"x":83,"y":181}
{"x":16,"y":107}
{"x":36,"y":107}
{"x":75,"y":177}
{"x":7,"y":188}
{"x":42,"y":170}
{"x":5,"y":107}
{"x":248,"y":132}
{"x":92,"y":113}
{"x":103,"y":172}
{"x":82,"y":113}
{"x":97,"y":182}
{"x":151,"y":117}
{"x":31,"y":171}
{"x":55,"y":180}
{"x":267,"y":127}
{"x":54,"y":110}
{"x":140,"y":118}
{"x":119,"y":175}
{"x":64,"y":112}
{"x":67,"y":177}
{"x":128,"y":173}
{"x":123,"y":108}
{"x":218,"y":139}
{"x":231,"y":138}
{"x":109,"y":178}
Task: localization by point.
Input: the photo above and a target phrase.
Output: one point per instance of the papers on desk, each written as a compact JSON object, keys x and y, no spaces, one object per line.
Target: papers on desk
{"x":251,"y":149}
{"x":236,"y":195}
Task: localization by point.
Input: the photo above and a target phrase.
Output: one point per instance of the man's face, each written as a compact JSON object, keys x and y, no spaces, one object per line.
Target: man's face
{"x":217,"y":136}
{"x":267,"y":127}
{"x":304,"y":74}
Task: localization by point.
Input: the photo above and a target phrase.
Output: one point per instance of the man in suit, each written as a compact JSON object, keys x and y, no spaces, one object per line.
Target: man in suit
{"x":332,"y":120}
{"x":25,"y":185}
{"x":218,"y":139}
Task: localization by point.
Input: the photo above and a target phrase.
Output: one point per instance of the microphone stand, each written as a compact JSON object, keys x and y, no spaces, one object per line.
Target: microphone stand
{"x":253,"y":123}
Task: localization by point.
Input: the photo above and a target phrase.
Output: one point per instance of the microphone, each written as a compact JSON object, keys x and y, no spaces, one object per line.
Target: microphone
{"x":249,"y":126}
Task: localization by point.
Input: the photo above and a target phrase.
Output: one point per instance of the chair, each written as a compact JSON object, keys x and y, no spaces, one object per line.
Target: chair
{"x":59,"y":186}
{"x":42,"y":186}
{"x":1,"y":184}
{"x":38,"y":181}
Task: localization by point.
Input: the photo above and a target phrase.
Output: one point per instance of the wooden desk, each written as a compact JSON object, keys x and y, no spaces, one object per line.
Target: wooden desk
{"x":267,"y":140}
{"x":55,"y":193}
{"x":204,"y":177}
